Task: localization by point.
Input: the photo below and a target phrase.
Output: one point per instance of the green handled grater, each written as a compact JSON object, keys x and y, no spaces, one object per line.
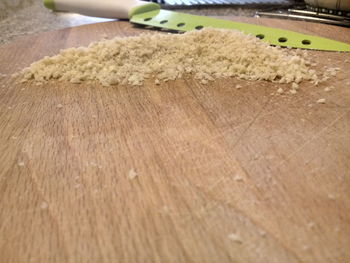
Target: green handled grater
{"x":146,"y":13}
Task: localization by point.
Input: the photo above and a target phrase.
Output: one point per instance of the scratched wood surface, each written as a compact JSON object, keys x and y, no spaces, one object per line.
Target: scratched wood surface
{"x":224,"y":174}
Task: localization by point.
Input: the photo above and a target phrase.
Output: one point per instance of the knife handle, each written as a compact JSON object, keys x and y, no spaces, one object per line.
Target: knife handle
{"x":122,"y":9}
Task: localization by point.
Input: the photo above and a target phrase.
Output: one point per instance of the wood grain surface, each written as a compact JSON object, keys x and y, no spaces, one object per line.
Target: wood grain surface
{"x":224,"y":174}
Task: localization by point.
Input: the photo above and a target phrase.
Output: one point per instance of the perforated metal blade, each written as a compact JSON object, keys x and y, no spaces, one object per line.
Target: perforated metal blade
{"x":274,"y":36}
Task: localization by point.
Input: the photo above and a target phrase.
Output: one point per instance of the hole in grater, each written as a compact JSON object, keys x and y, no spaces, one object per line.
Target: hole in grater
{"x":148,"y":19}
{"x":199,"y":27}
{"x":282,"y":39}
{"x":163,"y":22}
{"x":181,"y":24}
{"x":261,"y":36}
{"x":306,"y":42}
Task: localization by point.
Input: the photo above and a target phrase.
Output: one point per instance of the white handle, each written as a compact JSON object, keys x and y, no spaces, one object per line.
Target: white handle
{"x":98,"y":8}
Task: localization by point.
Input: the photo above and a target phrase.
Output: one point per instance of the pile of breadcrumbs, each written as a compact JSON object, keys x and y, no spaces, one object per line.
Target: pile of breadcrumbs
{"x":206,"y":54}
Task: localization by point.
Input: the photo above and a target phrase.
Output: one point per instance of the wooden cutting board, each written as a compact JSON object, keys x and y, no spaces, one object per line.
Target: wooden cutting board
{"x":224,"y":174}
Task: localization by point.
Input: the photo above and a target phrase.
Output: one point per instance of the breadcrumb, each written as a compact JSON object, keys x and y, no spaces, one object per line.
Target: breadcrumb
{"x":235,"y":238}
{"x":280,"y":91}
{"x":44,"y":205}
{"x":238,"y":178}
{"x":331,"y":196}
{"x":132,"y":174}
{"x":206,"y":54}
{"x":295,"y":85}
{"x":321,"y":101}
{"x":328,"y":88}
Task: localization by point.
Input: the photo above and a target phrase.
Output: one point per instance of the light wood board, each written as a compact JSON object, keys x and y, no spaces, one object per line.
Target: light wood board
{"x":270,"y":171}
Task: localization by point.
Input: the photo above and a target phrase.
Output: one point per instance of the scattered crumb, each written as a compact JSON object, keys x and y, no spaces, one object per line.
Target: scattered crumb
{"x":293,"y":91}
{"x":235,"y":238}
{"x":238,"y":86}
{"x":262,"y":233}
{"x":44,"y":205}
{"x":321,"y":101}
{"x":156,"y":81}
{"x":295,"y":85}
{"x":9,"y":107}
{"x":310,"y":105}
{"x":204,"y":81}
{"x":132,"y":174}
{"x":59,"y":106}
{"x":166,"y":209}
{"x":238,"y":178}
{"x":23,"y":89}
{"x":20,"y":163}
{"x":305,"y":248}
{"x":329,"y":88}
{"x":311,"y":224}
{"x":280,"y":91}
{"x":331,"y":196}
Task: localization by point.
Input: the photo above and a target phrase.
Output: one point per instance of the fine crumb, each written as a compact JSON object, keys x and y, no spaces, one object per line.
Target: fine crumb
{"x":238,"y":86}
{"x":293,"y":91}
{"x":238,"y":178}
{"x":235,"y":238}
{"x":328,"y":88}
{"x":205,"y":55}
{"x":132,"y":174}
{"x":280,"y":91}
{"x":20,"y":163}
{"x":156,"y":81}
{"x":59,"y":106}
{"x":295,"y":86}
{"x":311,"y":224}
{"x":331,"y":196}
{"x":262,"y":233}
{"x":44,"y":205}
{"x":165,"y":209}
{"x":306,"y":247}
{"x":321,"y":101}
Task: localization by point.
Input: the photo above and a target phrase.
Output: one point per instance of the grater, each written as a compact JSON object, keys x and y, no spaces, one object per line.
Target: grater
{"x":150,"y":14}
